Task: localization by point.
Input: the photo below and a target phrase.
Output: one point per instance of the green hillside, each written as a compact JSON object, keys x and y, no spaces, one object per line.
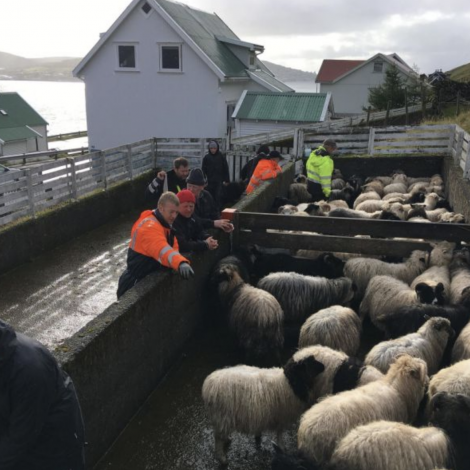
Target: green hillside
{"x":460,"y":74}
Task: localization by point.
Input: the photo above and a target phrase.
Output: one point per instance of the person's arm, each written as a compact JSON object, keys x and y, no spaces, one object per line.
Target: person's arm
{"x":32,"y":394}
{"x":155,"y":188}
{"x":325,"y":178}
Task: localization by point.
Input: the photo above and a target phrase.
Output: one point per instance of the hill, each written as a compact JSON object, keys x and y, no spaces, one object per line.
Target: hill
{"x":286,"y":74}
{"x":460,"y":74}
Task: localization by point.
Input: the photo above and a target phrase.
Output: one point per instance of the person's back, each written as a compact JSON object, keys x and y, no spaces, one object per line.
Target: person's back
{"x":267,"y":168}
{"x":320,"y":168}
{"x":41,"y":426}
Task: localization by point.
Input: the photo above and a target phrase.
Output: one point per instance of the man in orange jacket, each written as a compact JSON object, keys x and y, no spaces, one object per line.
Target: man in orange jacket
{"x":153,"y":245}
{"x":266,"y":169}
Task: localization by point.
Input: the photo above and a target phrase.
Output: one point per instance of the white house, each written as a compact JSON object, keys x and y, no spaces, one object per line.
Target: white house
{"x":263,"y":112}
{"x":349,"y":81}
{"x":22,"y":129}
{"x":165,"y":69}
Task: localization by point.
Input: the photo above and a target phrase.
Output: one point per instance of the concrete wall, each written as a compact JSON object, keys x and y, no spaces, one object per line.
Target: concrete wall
{"x":25,"y":240}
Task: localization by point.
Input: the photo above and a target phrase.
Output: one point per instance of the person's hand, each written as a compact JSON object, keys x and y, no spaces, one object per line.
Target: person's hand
{"x":224,"y":224}
{"x":212,"y":243}
{"x":161,"y":175}
{"x":185,"y":271}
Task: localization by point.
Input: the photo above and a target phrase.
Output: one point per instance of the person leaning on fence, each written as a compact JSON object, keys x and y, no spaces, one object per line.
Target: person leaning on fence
{"x":248,"y":169}
{"x":174,"y":180}
{"x":153,"y":245}
{"x":267,"y":168}
{"x":320,"y":168}
{"x":189,"y":231}
{"x":206,"y":209}
{"x":215,"y":167}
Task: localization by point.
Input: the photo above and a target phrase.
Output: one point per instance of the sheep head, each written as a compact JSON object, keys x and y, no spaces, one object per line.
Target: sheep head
{"x":437,"y":326}
{"x":227,"y":277}
{"x":301,"y":375}
{"x":288,"y":209}
{"x":419,"y":258}
{"x":410,"y":376}
{"x":451,"y":412}
{"x":427,"y":294}
{"x":441,"y":254}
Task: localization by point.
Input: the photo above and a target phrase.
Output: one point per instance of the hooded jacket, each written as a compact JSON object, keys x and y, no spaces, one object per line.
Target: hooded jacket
{"x":190,"y":234}
{"x":157,"y":187}
{"x":215,"y":167}
{"x":206,"y":210}
{"x":320,"y":167}
{"x":41,"y":426}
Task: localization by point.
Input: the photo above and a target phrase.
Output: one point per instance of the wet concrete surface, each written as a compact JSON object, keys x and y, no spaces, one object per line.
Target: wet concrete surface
{"x":172,"y":432}
{"x":60,"y":291}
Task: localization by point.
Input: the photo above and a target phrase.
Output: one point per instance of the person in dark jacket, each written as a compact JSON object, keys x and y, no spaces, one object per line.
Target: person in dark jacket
{"x":206,"y":208}
{"x":41,"y":425}
{"x":174,"y":180}
{"x":189,"y":231}
{"x":249,"y":168}
{"x":215,"y":167}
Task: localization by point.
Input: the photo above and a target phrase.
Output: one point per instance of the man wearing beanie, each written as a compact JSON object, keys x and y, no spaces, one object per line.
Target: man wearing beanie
{"x":189,"y":231}
{"x":215,"y":167}
{"x":249,"y":168}
{"x":267,"y":168}
{"x":206,"y":209}
{"x":153,"y":245}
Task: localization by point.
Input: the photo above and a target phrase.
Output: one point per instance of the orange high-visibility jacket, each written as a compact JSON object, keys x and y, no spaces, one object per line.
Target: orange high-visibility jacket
{"x":150,"y":238}
{"x":265,"y":170}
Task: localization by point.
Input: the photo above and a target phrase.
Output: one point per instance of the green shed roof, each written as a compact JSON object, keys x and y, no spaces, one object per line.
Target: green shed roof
{"x":17,"y":112}
{"x":292,"y":107}
{"x":16,"y":133}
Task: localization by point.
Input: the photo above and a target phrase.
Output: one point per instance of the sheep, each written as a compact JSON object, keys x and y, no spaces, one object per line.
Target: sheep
{"x":341,"y":371}
{"x":252,"y":400}
{"x":395,"y":188}
{"x":395,"y":397}
{"x":452,"y":218}
{"x":385,"y":294}
{"x":371,"y":205}
{"x":336,"y":327}
{"x":362,"y":270}
{"x":461,"y":349}
{"x":298,"y":193}
{"x":349,"y":213}
{"x":368,"y":196}
{"x":410,"y":318}
{"x":453,"y":379}
{"x":441,"y":254}
{"x":437,"y":277}
{"x":255,"y":316}
{"x":428,"y":343}
{"x":374,"y":185}
{"x":326,"y":265}
{"x":288,"y":209}
{"x":385,"y":180}
{"x":459,"y":274}
{"x":300,"y":295}
{"x":435,"y":214}
{"x":346,"y":194}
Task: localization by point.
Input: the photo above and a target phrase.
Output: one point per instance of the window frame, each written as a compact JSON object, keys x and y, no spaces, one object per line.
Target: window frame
{"x":161,"y":45}
{"x":146,"y":15}
{"x":377,"y":62}
{"x":136,"y":56}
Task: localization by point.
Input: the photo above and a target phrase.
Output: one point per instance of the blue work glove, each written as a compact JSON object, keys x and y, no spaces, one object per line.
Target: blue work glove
{"x":185,"y":271}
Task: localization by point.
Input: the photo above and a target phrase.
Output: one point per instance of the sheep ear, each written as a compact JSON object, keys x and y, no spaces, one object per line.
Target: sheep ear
{"x":440,"y":288}
{"x":426,"y":317}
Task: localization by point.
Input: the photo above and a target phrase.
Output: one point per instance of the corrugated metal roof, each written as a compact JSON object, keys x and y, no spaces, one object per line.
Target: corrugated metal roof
{"x":18,"y":112}
{"x":294,"y":107}
{"x":331,"y":69}
{"x":16,"y":133}
{"x":272,"y":81}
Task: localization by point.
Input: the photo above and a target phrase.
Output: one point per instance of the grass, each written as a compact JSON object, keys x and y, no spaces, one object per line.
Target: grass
{"x":460,"y":74}
{"x":449,"y":117}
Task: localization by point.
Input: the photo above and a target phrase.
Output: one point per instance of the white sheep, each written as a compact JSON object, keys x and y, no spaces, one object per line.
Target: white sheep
{"x":453,"y":379}
{"x":395,"y":397}
{"x":374,"y":185}
{"x":461,"y":349}
{"x":251,"y":400}
{"x":428,"y":344}
{"x":452,"y":218}
{"x":367,"y":196}
{"x":362,"y":270}
{"x":385,"y":294}
{"x":255,"y":316}
{"x":370,"y":205}
{"x":459,"y":274}
{"x":336,"y":327}
{"x":437,"y":277}
{"x":442,"y":253}
{"x":436,"y":214}
{"x":300,"y":295}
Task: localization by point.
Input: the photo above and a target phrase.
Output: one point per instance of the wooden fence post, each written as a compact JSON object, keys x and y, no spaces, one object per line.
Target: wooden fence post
{"x":73,"y":173}
{"x":129,"y":162}
{"x":368,"y":115}
{"x":388,"y":113}
{"x":103,"y":170}
{"x":370,"y":147}
{"x":423,"y":101}
{"x":29,"y":182}
{"x":466,"y":173}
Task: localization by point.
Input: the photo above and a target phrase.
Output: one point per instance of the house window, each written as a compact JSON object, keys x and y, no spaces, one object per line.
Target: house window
{"x":126,"y":57}
{"x":378,"y":67}
{"x":170,"y":58}
{"x":146,"y":8}
{"x":252,"y":60}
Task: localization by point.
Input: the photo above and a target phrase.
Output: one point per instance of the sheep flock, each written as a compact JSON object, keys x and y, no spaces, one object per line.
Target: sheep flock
{"x":366,"y":360}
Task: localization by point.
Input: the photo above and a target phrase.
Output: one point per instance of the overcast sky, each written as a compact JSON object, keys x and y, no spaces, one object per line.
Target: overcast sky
{"x":296,"y":33}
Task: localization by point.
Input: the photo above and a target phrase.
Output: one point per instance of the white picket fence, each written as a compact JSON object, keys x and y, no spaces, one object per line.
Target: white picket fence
{"x":27,"y":191}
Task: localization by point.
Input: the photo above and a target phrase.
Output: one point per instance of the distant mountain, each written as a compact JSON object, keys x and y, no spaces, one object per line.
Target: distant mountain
{"x":286,"y":74}
{"x":460,"y":74}
{"x":13,"y":67}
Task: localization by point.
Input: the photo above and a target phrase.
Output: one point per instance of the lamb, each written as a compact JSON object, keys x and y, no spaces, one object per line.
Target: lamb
{"x":252,"y":400}
{"x":437,"y":277}
{"x":395,"y":397}
{"x":341,"y":371}
{"x":336,"y":327}
{"x":429,"y":344}
{"x":453,"y":379}
{"x":255,"y":316}
{"x":362,"y":270}
{"x":385,"y":294}
{"x":300,"y":295}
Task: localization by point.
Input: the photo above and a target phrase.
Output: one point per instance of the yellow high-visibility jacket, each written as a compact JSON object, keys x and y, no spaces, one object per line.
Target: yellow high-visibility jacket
{"x":320,"y":168}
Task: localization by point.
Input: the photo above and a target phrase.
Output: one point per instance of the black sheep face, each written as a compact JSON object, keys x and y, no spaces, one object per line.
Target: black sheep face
{"x":451,"y":412}
{"x":430,"y":295}
{"x":301,"y":374}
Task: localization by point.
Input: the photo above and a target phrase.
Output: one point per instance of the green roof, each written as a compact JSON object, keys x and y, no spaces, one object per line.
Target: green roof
{"x":292,"y":107}
{"x":17,"y":113}
{"x":270,"y":80}
{"x":16,"y":133}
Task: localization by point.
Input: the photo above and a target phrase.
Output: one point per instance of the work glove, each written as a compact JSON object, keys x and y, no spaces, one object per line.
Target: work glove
{"x":185,"y":271}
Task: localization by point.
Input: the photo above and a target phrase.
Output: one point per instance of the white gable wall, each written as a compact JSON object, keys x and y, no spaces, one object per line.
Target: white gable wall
{"x":128,"y":106}
{"x":41,"y":141}
{"x":351,"y":94}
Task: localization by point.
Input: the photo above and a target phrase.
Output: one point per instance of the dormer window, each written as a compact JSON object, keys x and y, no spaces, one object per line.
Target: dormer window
{"x":252,"y":60}
{"x":170,"y":58}
{"x":378,"y":67}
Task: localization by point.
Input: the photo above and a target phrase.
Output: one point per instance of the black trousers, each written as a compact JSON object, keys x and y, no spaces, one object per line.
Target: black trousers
{"x":316,"y":191}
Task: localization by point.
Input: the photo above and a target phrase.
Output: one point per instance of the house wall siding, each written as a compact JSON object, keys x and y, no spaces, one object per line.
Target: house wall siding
{"x":351,"y":94}
{"x":248,"y":127}
{"x":125,"y":106}
{"x":42,"y":142}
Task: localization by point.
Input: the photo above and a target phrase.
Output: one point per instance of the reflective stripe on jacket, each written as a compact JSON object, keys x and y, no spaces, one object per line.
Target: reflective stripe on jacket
{"x":265,"y":170}
{"x":151,"y":238}
{"x":320,"y":168}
